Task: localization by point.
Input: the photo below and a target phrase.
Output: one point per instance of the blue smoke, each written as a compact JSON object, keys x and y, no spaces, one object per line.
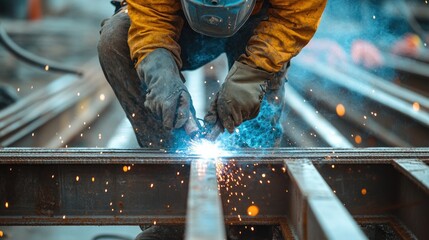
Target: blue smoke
{"x":264,"y":131}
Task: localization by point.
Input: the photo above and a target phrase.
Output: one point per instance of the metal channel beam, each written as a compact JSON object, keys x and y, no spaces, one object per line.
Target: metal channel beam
{"x":413,"y":193}
{"x":146,"y":186}
{"x":204,"y":217}
{"x":415,"y":170}
{"x":317,"y":212}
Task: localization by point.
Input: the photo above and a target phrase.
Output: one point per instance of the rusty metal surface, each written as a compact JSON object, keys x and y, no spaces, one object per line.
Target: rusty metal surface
{"x":204,"y":217}
{"x":142,"y":186}
{"x":379,"y":189}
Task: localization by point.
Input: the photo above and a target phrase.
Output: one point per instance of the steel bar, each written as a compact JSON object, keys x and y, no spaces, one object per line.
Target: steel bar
{"x":68,"y":98}
{"x":321,"y":215}
{"x":352,"y":84}
{"x":330,"y":97}
{"x":407,"y":65}
{"x":163,"y":156}
{"x":204,"y":217}
{"x":386,"y":85}
{"x":415,"y":170}
{"x":328,"y":132}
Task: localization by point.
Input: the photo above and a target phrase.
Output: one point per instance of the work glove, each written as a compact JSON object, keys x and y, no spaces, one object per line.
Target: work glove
{"x":166,"y":95}
{"x":239,"y":98}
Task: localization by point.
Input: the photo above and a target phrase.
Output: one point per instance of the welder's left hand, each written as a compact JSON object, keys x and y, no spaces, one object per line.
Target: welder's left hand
{"x":240,"y":96}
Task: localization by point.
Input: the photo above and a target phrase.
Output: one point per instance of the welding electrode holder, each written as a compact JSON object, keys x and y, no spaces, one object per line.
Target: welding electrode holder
{"x":196,"y":132}
{"x":193,"y":128}
{"x":213,"y":131}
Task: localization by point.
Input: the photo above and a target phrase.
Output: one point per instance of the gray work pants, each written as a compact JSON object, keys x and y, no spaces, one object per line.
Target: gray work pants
{"x":196,"y":51}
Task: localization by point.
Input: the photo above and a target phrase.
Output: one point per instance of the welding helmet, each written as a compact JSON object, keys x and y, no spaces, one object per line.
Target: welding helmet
{"x":217,"y":18}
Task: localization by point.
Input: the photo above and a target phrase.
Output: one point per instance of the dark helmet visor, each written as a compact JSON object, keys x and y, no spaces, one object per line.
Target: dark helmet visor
{"x":217,"y":18}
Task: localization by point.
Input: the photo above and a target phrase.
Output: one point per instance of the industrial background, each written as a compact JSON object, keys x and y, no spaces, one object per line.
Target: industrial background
{"x":353,"y":159}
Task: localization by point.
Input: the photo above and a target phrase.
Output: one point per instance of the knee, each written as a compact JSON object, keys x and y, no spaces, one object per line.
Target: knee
{"x":113,"y":35}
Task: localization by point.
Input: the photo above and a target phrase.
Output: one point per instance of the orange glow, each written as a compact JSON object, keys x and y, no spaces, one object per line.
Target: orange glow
{"x":363,"y":191}
{"x":416,"y":106}
{"x":93,"y":179}
{"x":358,"y":139}
{"x":341,"y":110}
{"x":1,"y":234}
{"x":125,"y":168}
{"x":252,"y":210}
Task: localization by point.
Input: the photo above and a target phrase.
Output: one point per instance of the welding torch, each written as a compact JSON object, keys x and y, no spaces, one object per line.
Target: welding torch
{"x":196,"y":132}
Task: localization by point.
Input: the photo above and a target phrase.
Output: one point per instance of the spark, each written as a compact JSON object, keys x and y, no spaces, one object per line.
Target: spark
{"x":64,"y":216}
{"x":363,"y":191}
{"x":332,"y":166}
{"x":416,"y":106}
{"x":252,"y":210}
{"x":125,"y":168}
{"x":358,"y":139}
{"x":102,"y":97}
{"x":93,"y":179}
{"x":6,"y":204}
{"x":47,"y":68}
{"x":77,"y":178}
{"x":341,"y":110}
{"x":206,"y":149}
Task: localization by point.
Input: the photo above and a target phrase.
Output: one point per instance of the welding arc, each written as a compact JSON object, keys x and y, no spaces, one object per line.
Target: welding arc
{"x":30,"y":58}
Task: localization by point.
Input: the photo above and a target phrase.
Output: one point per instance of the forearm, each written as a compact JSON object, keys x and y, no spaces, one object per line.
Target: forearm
{"x":154,"y":24}
{"x":290,"y":26}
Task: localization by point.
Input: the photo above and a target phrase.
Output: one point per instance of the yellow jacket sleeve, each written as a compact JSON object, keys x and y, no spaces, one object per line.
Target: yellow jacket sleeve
{"x":290,"y":26}
{"x":154,"y":24}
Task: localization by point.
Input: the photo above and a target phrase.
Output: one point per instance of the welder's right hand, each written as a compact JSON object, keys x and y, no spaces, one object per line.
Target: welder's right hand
{"x":166,"y":95}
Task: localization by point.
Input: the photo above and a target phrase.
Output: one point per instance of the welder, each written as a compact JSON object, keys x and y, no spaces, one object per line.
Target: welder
{"x":147,"y":43}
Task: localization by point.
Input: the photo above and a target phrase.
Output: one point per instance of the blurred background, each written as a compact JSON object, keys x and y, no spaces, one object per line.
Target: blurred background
{"x":363,"y":81}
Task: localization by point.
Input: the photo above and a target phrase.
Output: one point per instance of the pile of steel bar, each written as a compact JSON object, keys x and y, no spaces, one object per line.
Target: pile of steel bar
{"x":311,"y":193}
{"x":54,"y":114}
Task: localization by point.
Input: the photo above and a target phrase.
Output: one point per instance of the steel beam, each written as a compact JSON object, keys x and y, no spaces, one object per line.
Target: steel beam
{"x":415,"y":170}
{"x":204,"y":218}
{"x":147,"y":186}
{"x":321,"y":215}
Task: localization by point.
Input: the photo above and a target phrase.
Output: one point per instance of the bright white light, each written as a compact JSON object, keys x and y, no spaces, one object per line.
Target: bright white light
{"x":206,"y":149}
